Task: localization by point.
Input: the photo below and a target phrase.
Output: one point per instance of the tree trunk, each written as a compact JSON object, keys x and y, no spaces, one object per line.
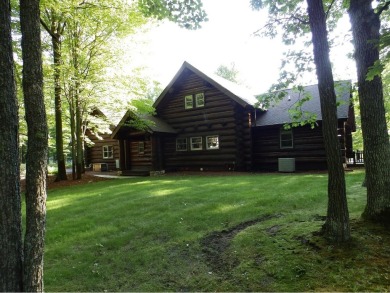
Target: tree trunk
{"x":72,"y":116}
{"x":61,"y":175}
{"x":11,"y":252}
{"x":336,"y":226}
{"x":56,"y":30}
{"x":79,"y":145}
{"x":37,"y":146}
{"x":365,"y":28}
{"x":77,"y":102}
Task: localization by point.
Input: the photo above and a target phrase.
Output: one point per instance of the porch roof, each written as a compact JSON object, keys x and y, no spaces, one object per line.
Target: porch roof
{"x":151,"y":124}
{"x":159,"y":125}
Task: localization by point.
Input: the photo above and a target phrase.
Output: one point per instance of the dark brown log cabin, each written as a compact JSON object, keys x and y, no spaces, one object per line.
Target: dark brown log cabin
{"x":141,"y":151}
{"x":303,"y":144}
{"x":204,"y":122}
{"x":201,"y":123}
{"x":101,"y":151}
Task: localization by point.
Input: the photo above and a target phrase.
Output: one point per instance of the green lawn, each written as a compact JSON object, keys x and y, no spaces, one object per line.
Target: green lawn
{"x":191,"y":233}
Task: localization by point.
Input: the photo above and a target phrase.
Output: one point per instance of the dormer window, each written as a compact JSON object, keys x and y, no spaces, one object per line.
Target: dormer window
{"x":188,"y":102}
{"x":199,"y":100}
{"x":194,"y":101}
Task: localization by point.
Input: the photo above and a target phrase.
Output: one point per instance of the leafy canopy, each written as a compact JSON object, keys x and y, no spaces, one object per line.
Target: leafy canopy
{"x":186,"y":13}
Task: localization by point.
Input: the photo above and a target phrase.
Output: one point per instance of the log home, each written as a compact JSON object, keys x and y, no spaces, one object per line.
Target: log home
{"x":204,"y":122}
{"x":101,"y":151}
{"x":201,"y":123}
{"x":303,"y":146}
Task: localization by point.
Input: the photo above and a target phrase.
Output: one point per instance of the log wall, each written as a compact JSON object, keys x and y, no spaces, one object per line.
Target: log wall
{"x":220,"y":116}
{"x":308,"y":147}
{"x":94,"y":153}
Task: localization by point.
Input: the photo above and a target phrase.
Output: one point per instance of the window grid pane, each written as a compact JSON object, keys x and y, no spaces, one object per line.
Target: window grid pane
{"x":141,"y":147}
{"x":107,"y":152}
{"x":181,"y":144}
{"x":199,"y":100}
{"x":286,"y":139}
{"x":212,"y":142}
{"x":188,"y":102}
{"x":196,"y":143}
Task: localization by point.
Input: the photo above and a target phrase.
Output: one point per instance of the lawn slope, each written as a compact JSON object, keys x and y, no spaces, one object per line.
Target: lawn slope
{"x":208,"y":233}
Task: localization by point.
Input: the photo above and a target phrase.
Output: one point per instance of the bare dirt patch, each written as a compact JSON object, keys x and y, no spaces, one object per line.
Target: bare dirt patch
{"x":217,"y":243}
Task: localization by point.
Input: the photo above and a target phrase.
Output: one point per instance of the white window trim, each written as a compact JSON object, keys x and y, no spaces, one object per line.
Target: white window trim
{"x":191,"y":143}
{"x":286,"y":131}
{"x":108,"y":152}
{"x":188,"y":98}
{"x":199,"y":96}
{"x":207,"y":143}
{"x":177,"y":143}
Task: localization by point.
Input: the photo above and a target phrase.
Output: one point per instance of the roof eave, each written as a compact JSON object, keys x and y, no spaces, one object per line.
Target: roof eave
{"x":120,"y":124}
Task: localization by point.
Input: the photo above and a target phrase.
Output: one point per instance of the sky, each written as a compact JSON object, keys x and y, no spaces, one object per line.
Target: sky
{"x":227,"y":38}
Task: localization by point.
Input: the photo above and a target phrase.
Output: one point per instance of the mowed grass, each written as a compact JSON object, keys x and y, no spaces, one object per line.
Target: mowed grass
{"x":153,"y":234}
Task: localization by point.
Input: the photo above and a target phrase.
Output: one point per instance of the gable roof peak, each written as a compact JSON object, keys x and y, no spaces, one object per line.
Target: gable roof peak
{"x":236,"y":92}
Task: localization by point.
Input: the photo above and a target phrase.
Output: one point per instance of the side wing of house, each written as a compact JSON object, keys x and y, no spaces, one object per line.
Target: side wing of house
{"x":103,"y":150}
{"x":303,"y":145}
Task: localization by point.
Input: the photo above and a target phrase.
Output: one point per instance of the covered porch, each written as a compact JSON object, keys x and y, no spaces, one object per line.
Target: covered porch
{"x":141,"y":147}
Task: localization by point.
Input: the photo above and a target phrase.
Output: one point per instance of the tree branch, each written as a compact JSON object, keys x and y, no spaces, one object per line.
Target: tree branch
{"x":49,"y":31}
{"x":330,"y":7}
{"x":281,"y":20}
{"x":383,"y":8}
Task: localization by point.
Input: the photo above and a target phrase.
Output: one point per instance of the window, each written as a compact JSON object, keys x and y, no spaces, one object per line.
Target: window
{"x":286,"y":138}
{"x":188,"y":102}
{"x":108,"y":152}
{"x":212,"y":142}
{"x":196,"y":143}
{"x":199,"y":100}
{"x":181,"y":144}
{"x":141,"y":147}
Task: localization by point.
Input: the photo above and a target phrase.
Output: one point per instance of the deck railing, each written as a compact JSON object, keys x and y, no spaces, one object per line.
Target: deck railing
{"x":357,"y":158}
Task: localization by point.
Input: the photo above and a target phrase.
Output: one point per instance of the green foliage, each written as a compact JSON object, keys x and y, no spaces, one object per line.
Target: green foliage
{"x":229,"y":73}
{"x":140,"y":111}
{"x":186,"y":13}
{"x":375,"y":70}
{"x":386,"y":90}
{"x":88,"y":32}
{"x":357,"y":135}
{"x":299,"y":117}
{"x":290,"y":20}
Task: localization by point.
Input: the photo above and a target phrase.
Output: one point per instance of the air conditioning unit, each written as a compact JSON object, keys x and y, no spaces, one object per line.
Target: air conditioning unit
{"x":286,"y":164}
